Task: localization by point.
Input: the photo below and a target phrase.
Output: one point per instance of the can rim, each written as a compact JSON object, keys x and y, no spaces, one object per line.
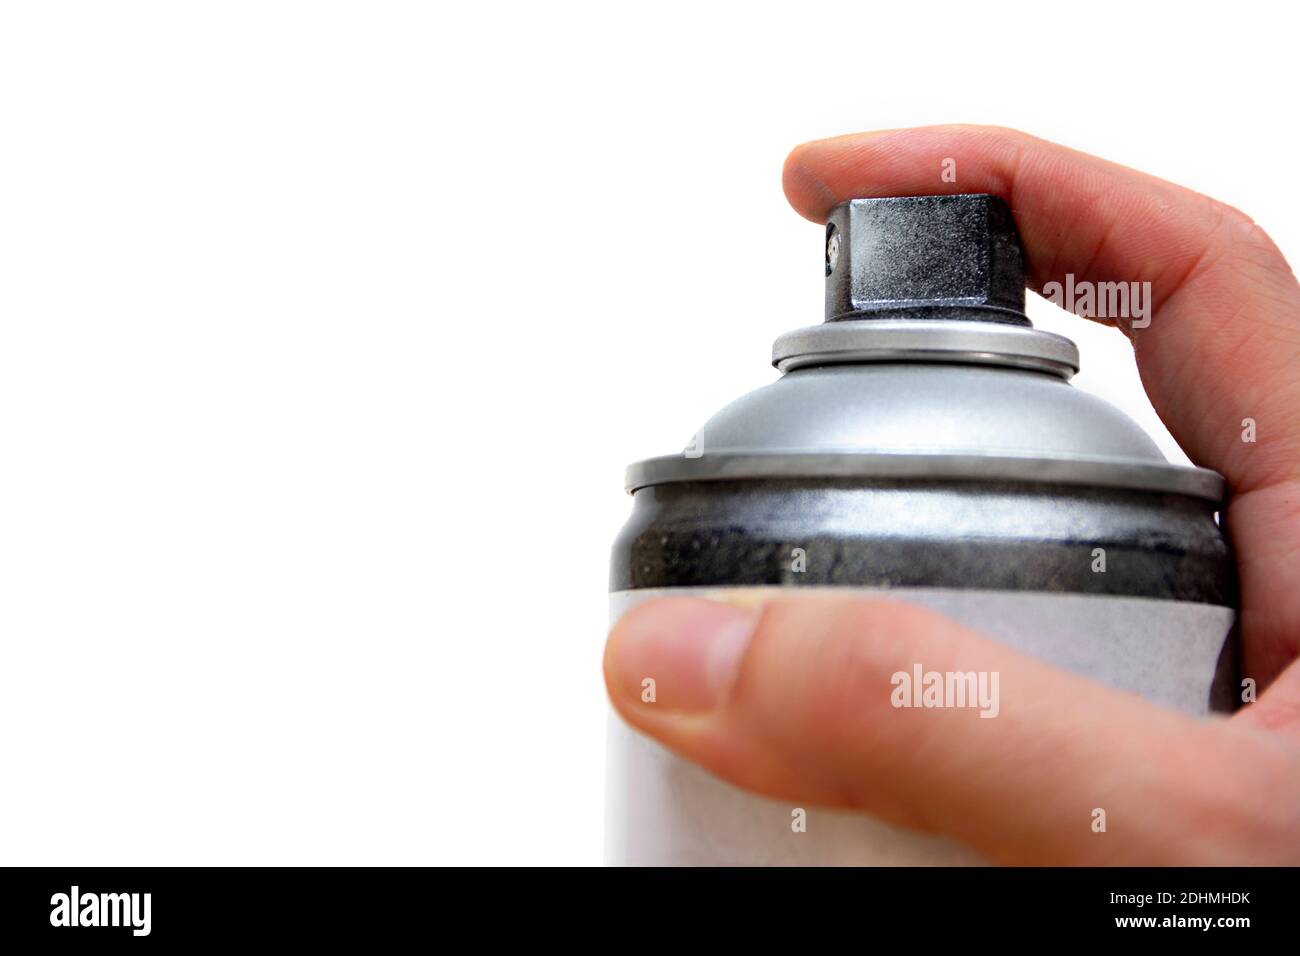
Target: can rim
{"x":928,"y":340}
{"x":1092,"y":472}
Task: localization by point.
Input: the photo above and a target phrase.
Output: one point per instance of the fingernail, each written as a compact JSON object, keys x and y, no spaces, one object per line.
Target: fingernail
{"x":679,"y":654}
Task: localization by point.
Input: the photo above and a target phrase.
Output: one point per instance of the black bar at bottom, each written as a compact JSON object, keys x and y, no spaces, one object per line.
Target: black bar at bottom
{"x":677,"y":907}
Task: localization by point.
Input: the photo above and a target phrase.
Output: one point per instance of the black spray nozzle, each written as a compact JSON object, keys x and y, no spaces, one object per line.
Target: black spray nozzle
{"x":924,"y":257}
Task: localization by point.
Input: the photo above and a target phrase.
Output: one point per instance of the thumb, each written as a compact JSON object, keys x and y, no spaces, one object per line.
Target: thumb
{"x":799,"y":700}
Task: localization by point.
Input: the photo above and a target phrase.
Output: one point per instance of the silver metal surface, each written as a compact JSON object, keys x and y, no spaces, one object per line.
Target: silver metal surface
{"x":930,"y":340}
{"x":1100,"y":473}
{"x":926,"y":420}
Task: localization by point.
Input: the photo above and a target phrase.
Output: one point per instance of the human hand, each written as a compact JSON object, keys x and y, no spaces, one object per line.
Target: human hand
{"x":792,"y":700}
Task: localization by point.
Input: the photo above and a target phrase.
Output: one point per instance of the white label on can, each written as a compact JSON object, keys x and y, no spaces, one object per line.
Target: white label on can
{"x":663,"y":810}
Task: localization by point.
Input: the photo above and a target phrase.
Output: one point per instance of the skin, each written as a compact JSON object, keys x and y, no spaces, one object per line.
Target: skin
{"x":789,"y":696}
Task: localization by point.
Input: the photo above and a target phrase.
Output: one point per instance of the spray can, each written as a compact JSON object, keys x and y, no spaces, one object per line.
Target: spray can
{"x":924,"y":442}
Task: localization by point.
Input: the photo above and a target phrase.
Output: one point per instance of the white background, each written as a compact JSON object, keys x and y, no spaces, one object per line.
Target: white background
{"x":328,"y":329}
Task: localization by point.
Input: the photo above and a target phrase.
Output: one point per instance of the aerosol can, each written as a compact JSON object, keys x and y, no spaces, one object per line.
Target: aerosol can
{"x":923,"y":442}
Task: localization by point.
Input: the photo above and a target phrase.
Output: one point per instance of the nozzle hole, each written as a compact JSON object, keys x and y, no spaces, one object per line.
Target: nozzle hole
{"x":832,"y":247}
